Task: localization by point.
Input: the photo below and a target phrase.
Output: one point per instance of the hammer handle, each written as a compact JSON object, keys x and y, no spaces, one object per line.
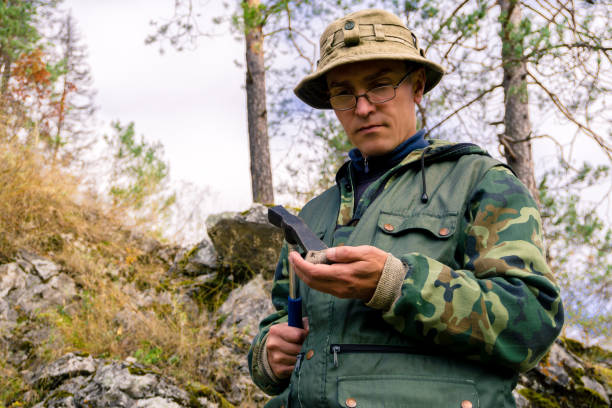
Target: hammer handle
{"x":295,"y":312}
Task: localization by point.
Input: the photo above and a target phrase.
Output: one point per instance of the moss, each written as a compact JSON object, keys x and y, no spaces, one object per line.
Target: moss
{"x":197,"y":390}
{"x":590,"y":398}
{"x":185,"y":259}
{"x":582,"y":394}
{"x":593,"y":353}
{"x":603,"y":375}
{"x":59,"y":394}
{"x":221,"y":319}
{"x":134,"y":370}
{"x":539,"y":400}
{"x":212,"y":294}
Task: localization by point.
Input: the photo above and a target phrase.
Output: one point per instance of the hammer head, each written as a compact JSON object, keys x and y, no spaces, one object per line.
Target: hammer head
{"x":295,"y":230}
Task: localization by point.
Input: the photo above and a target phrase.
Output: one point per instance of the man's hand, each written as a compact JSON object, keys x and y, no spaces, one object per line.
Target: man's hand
{"x":283,"y":345}
{"x":354,"y":273}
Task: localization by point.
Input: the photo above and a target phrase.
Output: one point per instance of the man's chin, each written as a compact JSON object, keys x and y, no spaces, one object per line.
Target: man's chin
{"x":375,"y":150}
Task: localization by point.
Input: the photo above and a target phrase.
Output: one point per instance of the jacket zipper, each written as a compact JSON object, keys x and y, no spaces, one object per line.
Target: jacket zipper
{"x":296,"y":369}
{"x":336,"y":349}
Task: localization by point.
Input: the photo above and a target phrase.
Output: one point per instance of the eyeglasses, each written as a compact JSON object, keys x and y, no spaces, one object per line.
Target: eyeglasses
{"x":379,"y":94}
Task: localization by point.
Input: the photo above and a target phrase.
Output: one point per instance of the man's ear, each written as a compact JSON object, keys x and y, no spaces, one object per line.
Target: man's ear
{"x":418,"y":85}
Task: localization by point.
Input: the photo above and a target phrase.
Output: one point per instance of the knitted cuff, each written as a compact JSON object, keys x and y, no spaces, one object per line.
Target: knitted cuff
{"x":263,"y":360}
{"x":389,"y":285}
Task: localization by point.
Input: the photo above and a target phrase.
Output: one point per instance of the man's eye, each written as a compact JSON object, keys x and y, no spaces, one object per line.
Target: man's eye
{"x":341,"y":92}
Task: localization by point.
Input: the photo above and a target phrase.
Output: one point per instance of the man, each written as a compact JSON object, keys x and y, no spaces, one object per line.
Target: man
{"x":436,"y":292}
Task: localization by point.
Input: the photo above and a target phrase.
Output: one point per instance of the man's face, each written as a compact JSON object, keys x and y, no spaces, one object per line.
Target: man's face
{"x":377,"y":129}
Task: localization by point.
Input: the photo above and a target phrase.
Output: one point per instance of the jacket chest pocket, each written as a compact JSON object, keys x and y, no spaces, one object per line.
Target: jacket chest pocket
{"x":395,"y":391}
{"x":430,"y":234}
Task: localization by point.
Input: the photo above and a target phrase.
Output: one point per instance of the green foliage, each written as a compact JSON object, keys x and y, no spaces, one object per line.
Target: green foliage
{"x":336,"y":146}
{"x":139,"y":171}
{"x":580,"y":247}
{"x":12,"y":386}
{"x":252,"y":16}
{"x":18,"y":33}
{"x":149,"y":354}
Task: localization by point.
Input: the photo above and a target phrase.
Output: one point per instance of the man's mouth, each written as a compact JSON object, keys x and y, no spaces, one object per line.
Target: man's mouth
{"x":368,"y":127}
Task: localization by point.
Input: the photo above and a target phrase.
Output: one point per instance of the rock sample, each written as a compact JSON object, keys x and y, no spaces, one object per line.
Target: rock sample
{"x":246,"y":243}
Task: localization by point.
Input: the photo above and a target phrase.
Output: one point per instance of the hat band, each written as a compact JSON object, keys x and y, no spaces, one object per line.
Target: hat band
{"x":367,"y":32}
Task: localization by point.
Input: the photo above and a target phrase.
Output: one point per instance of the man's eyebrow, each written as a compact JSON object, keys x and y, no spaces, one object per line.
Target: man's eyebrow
{"x":368,"y":78}
{"x":378,"y":74}
{"x":339,"y":83}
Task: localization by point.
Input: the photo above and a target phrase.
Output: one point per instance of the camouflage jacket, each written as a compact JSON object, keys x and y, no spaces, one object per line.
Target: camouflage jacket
{"x":476,"y":303}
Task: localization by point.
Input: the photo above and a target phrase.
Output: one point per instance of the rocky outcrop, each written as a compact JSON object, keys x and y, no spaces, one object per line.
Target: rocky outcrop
{"x":569,"y":376}
{"x":237,"y":323}
{"x":28,"y":286}
{"x":82,"y":381}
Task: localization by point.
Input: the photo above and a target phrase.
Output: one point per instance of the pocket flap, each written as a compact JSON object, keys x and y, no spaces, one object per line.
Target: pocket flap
{"x":441,"y":226}
{"x":406,"y":391}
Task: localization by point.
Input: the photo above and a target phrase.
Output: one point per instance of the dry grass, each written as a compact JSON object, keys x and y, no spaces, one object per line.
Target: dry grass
{"x":38,"y":213}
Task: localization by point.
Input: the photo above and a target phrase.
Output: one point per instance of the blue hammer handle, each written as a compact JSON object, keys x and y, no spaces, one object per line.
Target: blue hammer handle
{"x":295,"y":312}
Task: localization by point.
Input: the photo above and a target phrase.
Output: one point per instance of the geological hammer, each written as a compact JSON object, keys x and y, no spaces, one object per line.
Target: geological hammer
{"x":296,"y":233}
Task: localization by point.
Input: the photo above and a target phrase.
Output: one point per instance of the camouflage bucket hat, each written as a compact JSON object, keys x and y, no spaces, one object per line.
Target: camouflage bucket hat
{"x":362,"y":36}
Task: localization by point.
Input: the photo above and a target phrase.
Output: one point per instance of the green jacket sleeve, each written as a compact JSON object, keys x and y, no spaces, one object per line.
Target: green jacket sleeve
{"x":256,"y":356}
{"x":503,"y":306}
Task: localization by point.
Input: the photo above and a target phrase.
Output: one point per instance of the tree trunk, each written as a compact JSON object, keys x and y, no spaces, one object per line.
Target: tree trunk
{"x":261,"y":172}
{"x":516,"y":138}
{"x":5,"y":63}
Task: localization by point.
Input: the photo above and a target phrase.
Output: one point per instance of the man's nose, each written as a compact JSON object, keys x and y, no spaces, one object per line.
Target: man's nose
{"x":364,"y":106}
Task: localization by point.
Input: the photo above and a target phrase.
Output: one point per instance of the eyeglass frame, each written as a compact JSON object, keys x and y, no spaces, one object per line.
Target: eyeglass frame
{"x":365,"y":94}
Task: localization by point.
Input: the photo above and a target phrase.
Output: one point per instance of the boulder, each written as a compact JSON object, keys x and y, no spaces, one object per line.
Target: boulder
{"x":246,"y":243}
{"x":201,"y":259}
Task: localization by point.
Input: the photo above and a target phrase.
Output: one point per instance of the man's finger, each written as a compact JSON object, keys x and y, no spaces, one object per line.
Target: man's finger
{"x":346,"y":254}
{"x":309,"y":272}
{"x":288,"y":334}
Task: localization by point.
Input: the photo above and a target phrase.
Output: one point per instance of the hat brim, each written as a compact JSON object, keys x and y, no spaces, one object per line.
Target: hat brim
{"x":313,"y":88}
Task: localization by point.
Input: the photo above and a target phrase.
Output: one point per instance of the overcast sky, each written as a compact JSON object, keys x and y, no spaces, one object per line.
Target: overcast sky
{"x":192,"y":101}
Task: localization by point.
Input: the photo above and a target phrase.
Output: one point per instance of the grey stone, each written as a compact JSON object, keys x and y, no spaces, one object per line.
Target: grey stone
{"x":246,"y":243}
{"x":239,"y":316}
{"x":43,"y":267}
{"x":57,"y":402}
{"x":83,"y":381}
{"x":70,"y":365}
{"x":244,"y":309}
{"x":595,"y":387}
{"x":555,"y":368}
{"x":156,"y":402}
{"x":198,"y":260}
{"x":521,"y":402}
{"x":205,"y":402}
